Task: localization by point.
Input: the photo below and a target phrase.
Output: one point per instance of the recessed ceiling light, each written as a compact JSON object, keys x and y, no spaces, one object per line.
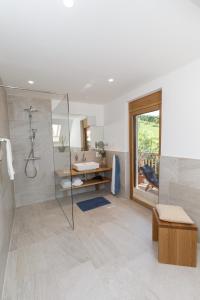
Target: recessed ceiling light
{"x":68,"y":3}
{"x":88,"y":86}
{"x":111,"y":80}
{"x":31,"y":82}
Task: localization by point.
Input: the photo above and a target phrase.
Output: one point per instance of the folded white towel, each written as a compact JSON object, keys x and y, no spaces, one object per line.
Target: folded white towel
{"x":11,"y":171}
{"x":77,"y":181}
{"x":65,"y":183}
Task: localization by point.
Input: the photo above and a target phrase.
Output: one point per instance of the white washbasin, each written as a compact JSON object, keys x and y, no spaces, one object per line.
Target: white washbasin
{"x":86,"y":166}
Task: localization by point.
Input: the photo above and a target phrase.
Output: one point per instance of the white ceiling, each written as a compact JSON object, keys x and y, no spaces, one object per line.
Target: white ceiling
{"x":78,"y":49}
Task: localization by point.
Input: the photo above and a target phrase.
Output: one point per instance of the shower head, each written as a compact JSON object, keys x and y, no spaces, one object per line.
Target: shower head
{"x":30,"y":109}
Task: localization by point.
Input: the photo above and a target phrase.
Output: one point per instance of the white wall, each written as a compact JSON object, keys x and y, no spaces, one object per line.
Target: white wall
{"x":115,"y":127}
{"x":180,"y":113}
{"x":91,"y":110}
{"x":84,"y":109}
{"x":75,"y":136}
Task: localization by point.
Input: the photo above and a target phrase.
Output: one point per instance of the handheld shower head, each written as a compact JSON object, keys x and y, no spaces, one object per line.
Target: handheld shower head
{"x":31,"y":110}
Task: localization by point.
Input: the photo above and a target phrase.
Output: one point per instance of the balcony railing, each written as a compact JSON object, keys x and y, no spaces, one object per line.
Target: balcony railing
{"x":151,"y":159}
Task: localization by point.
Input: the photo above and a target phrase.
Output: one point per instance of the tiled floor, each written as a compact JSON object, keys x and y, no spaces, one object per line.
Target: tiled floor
{"x":109,"y":256}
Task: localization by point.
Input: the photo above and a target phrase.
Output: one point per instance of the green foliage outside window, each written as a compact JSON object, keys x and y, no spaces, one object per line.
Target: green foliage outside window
{"x":148,"y":134}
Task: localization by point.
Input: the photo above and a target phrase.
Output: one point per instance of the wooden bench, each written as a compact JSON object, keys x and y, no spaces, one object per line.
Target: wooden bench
{"x":177,"y":243}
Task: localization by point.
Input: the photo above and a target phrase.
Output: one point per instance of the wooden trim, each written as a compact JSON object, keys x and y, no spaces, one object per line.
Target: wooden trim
{"x":144,"y":110}
{"x":139,"y":106}
{"x":149,"y":206}
{"x":148,"y":101}
{"x":131,"y":154}
{"x":154,"y":226}
{"x":86,"y":183}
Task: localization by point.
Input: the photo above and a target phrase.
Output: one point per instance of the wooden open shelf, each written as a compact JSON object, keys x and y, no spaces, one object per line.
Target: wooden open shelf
{"x":67,"y":173}
{"x":86,"y":183}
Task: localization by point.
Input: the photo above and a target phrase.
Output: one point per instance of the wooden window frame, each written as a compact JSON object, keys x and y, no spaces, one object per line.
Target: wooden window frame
{"x":139,"y":106}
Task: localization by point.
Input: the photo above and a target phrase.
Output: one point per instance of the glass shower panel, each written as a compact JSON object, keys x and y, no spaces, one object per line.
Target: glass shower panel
{"x":62,"y":156}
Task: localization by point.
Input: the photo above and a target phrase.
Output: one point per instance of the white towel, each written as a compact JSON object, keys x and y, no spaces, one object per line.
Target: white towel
{"x":65,"y":183}
{"x":11,"y":171}
{"x":77,"y":181}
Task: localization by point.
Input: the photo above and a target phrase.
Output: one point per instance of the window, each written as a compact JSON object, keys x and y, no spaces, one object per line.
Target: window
{"x":144,"y":142}
{"x":56,"y":128}
{"x":147,"y":150}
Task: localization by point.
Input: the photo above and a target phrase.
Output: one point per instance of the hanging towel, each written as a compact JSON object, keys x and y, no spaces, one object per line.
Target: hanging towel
{"x":115,"y":185}
{"x":11,"y":171}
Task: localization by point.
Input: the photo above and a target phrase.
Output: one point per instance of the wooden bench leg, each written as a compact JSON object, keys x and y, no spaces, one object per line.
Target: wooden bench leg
{"x":177,"y":246}
{"x":154,"y":228}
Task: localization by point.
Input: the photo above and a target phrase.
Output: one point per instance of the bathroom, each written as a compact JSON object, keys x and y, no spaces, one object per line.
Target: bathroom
{"x":50,"y":125}
{"x":47,"y":143}
{"x":51,"y":227}
{"x":81,"y":85}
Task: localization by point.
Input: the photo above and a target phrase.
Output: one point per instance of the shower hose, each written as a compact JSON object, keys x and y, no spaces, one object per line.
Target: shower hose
{"x":27,"y":163}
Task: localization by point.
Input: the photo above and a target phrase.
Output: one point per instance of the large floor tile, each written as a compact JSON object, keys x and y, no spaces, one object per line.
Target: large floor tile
{"x":109,"y":256}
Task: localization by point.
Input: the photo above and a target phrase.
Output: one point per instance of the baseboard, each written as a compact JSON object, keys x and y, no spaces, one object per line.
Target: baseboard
{"x":145,"y":204}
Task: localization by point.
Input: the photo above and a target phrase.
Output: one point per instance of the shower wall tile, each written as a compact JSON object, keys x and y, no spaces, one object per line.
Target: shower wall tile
{"x":17,"y":104}
{"x":180,"y":184}
{"x":62,"y":159}
{"x":42,"y":188}
{"x":89,"y":155}
{"x":6,"y":191}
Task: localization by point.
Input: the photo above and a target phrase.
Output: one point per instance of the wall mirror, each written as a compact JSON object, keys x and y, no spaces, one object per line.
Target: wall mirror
{"x":83,"y":132}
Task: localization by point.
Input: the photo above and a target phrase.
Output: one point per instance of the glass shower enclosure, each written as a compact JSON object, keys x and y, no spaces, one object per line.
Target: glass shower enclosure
{"x":40,"y":137}
{"x":62,"y":156}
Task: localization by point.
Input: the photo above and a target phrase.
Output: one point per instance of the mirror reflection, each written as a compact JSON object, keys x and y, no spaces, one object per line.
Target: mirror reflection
{"x":84,"y":133}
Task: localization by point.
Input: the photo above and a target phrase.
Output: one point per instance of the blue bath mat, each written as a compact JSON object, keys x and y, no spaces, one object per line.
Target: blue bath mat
{"x":92,"y":203}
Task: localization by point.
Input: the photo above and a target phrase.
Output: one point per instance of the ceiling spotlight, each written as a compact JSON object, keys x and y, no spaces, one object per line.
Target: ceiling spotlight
{"x":68,"y":3}
{"x":31,"y":82}
{"x":111,"y":80}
